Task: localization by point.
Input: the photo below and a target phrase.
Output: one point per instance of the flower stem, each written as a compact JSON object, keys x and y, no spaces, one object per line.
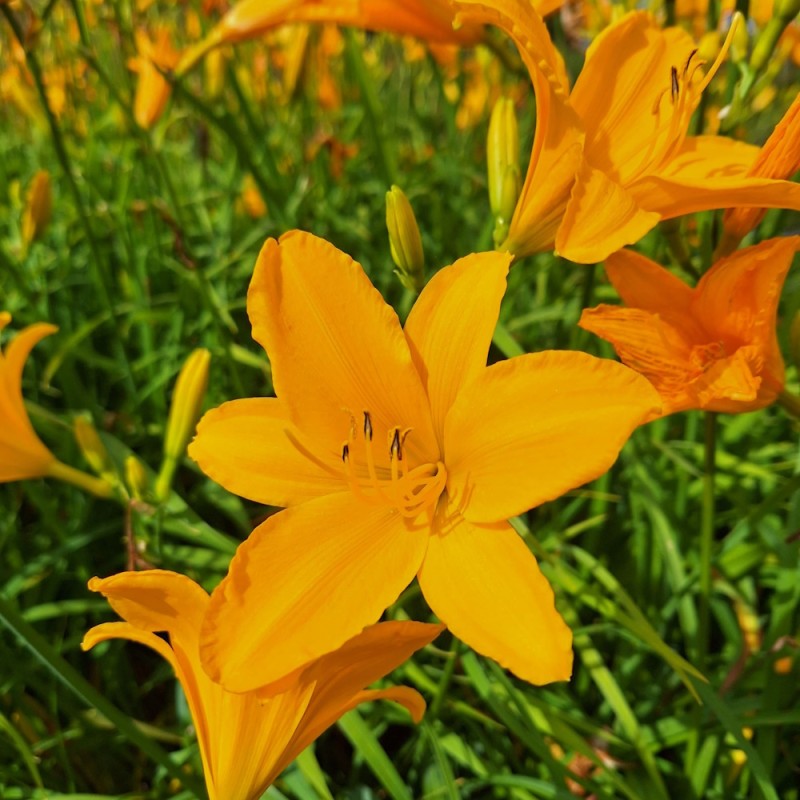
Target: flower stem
{"x":444,"y":681}
{"x":95,"y":486}
{"x":791,"y":402}
{"x":706,"y":535}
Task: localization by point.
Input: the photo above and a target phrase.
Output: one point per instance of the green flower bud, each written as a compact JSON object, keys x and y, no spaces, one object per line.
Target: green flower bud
{"x":405,"y":242}
{"x":502,"y":154}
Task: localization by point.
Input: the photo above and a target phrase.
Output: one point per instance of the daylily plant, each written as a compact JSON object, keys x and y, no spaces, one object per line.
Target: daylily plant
{"x":613,"y":157}
{"x":398,"y":453}
{"x":247,"y":740}
{"x":712,"y":347}
{"x":152,"y":89}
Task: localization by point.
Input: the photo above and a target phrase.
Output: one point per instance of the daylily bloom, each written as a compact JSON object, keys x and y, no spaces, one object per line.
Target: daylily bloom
{"x":398,"y":453}
{"x":152,"y":89}
{"x":712,"y":347}
{"x":22,"y":454}
{"x":778,"y":158}
{"x":630,"y":107}
{"x":247,"y":740}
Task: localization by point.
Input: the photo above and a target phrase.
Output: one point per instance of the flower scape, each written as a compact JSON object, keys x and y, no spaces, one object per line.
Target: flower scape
{"x":416,"y":383}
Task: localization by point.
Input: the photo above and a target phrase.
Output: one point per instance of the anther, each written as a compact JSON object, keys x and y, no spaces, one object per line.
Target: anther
{"x":675,"y":86}
{"x":689,"y":61}
{"x":367,"y":426}
{"x":345,"y":452}
{"x":396,"y":449}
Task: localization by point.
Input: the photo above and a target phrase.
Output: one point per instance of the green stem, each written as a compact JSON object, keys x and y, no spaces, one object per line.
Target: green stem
{"x":67,"y":675}
{"x":790,"y":402}
{"x":444,"y":682}
{"x":66,"y":166}
{"x":95,"y":486}
{"x":706,"y":535}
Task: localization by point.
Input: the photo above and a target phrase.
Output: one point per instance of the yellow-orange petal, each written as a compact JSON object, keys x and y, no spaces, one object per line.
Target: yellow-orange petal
{"x":254,"y":450}
{"x":124,"y":630}
{"x":778,"y":158}
{"x":644,"y":284}
{"x":601,"y":217}
{"x":12,"y":361}
{"x":623,"y":96}
{"x":732,"y":385}
{"x":451,"y":325}
{"x":303,"y":583}
{"x":533,"y":427}
{"x":340,"y":677}
{"x":336,"y":348}
{"x":485,"y":585}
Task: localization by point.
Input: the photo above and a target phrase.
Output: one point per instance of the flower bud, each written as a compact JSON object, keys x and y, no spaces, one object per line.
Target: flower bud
{"x":135,"y":477}
{"x":184,"y":412}
{"x":38,"y":207}
{"x":502,"y":151}
{"x":405,"y":242}
{"x":92,"y":447}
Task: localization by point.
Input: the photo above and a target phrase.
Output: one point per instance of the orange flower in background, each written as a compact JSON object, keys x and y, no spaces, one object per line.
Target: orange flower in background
{"x":22,"y":454}
{"x":247,"y":740}
{"x":399,"y":453}
{"x":591,"y":194}
{"x":712,"y":347}
{"x":152,"y":89}
{"x":778,"y":158}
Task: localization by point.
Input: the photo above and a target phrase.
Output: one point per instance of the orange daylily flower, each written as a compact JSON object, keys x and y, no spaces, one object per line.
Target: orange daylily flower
{"x":778,"y":158}
{"x":152,"y":89}
{"x":247,"y":740}
{"x":22,"y":454}
{"x":630,"y":108}
{"x":712,"y":347}
{"x":398,"y":453}
{"x":38,"y":207}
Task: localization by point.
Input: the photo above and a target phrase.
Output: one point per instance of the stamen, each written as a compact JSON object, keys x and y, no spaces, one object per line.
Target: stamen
{"x":345,"y":452}
{"x":737,"y":18}
{"x":367,"y":426}
{"x":395,"y":448}
{"x":674,"y":85}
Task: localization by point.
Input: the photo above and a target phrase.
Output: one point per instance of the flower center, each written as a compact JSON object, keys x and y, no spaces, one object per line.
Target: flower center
{"x":408,"y":490}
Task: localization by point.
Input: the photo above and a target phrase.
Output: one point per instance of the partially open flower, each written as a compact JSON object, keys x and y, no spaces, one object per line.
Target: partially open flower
{"x":246,"y":740}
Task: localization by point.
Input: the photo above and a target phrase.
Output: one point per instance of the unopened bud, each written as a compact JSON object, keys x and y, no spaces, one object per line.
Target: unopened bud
{"x":136,"y":477}
{"x":740,"y":44}
{"x":405,"y":242}
{"x":92,"y":447}
{"x":502,"y":152}
{"x":38,"y":207}
{"x":187,"y":399}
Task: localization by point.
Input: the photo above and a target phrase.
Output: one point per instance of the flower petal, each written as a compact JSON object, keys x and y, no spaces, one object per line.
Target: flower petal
{"x":623,"y":96}
{"x":254,"y":450}
{"x":601,"y":217}
{"x":336,"y":348}
{"x":304,"y":582}
{"x":450,"y":326}
{"x":533,"y":427}
{"x":485,"y":585}
{"x":13,"y":361}
{"x":340,"y":676}
{"x":644,"y":284}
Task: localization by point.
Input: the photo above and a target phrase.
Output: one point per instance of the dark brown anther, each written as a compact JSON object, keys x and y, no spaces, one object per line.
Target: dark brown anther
{"x":367,"y":426}
{"x":345,"y":452}
{"x":395,"y":449}
{"x":675,"y":86}
{"x":689,"y":61}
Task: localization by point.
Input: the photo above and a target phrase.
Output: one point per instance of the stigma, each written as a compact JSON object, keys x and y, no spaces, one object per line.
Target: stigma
{"x":379,"y":476}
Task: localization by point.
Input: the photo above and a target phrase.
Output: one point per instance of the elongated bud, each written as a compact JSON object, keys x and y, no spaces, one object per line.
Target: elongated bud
{"x":38,"y":207}
{"x":92,"y":447}
{"x":740,"y":44}
{"x":405,"y":242}
{"x":135,"y":477}
{"x":184,"y":412}
{"x":784,"y":11}
{"x":502,"y":156}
